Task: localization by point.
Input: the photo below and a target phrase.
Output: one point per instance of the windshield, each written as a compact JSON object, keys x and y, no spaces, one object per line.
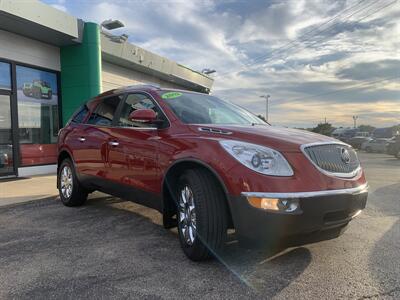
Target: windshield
{"x":193,"y":108}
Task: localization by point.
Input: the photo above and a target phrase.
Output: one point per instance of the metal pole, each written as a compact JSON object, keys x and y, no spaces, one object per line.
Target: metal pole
{"x":355,"y":121}
{"x":266,"y":106}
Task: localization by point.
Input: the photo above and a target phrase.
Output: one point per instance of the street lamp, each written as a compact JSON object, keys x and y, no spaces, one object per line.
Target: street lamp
{"x":111,"y":25}
{"x":266,"y":107}
{"x":208,"y":71}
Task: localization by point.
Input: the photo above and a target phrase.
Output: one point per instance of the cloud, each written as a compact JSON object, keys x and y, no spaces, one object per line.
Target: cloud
{"x":388,"y":68}
{"x":315,"y":58}
{"x":60,"y":7}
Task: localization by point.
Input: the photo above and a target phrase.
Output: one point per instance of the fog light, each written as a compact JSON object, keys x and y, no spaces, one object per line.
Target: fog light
{"x":289,"y":205}
{"x":284,"y":205}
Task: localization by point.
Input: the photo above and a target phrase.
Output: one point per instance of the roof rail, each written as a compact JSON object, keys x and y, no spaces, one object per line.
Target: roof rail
{"x":136,"y":86}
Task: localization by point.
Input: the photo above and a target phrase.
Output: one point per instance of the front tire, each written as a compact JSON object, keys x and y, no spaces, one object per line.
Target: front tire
{"x":70,"y":190}
{"x":202,"y":215}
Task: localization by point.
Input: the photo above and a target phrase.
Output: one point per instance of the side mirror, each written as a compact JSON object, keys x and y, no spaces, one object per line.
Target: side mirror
{"x":143,"y":116}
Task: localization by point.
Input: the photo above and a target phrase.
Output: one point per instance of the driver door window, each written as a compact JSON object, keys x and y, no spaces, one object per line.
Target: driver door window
{"x":134,"y":102}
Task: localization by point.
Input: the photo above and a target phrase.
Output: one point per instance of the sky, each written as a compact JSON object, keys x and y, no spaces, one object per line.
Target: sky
{"x":316,"y":59}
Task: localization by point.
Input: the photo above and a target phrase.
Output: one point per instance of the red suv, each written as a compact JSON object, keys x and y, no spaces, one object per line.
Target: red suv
{"x":207,"y":165}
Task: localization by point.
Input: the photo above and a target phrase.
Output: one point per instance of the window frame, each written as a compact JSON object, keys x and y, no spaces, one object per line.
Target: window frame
{"x":151,"y":98}
{"x":77,"y":112}
{"x":14,"y":107}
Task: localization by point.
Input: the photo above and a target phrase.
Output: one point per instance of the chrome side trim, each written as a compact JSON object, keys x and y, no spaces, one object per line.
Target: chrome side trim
{"x":350,"y":191}
{"x":332,"y":174}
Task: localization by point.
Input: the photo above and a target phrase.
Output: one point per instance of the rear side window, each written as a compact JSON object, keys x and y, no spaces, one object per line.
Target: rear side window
{"x":104,"y":113}
{"x":80,"y":115}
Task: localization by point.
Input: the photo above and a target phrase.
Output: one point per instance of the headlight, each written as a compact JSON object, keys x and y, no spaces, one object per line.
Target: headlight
{"x":261,"y":159}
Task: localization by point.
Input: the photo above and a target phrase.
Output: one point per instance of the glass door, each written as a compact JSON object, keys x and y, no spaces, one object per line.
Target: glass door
{"x":6,"y":137}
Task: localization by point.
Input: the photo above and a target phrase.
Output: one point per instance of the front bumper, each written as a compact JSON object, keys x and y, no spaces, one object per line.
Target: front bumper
{"x":318,"y":211}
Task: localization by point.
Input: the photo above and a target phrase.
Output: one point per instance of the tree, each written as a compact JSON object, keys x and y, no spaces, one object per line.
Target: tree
{"x":324,"y":128}
{"x":366,"y":128}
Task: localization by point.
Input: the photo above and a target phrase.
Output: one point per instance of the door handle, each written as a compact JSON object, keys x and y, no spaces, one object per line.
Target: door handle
{"x":81,"y":139}
{"x":113,"y":143}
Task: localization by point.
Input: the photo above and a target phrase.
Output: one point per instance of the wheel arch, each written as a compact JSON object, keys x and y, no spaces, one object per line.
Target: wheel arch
{"x":171,"y":176}
{"x":63,"y":154}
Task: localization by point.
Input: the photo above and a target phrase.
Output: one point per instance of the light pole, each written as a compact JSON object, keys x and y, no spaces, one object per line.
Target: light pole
{"x":111,"y":25}
{"x":266,"y":107}
{"x":208,"y":71}
{"x":355,"y":121}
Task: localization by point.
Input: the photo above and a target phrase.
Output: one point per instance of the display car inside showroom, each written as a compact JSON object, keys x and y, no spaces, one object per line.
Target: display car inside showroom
{"x":51,"y":63}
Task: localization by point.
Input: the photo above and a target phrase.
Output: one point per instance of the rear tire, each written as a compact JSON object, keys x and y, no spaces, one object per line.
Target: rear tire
{"x":70,"y":190}
{"x":205,"y":200}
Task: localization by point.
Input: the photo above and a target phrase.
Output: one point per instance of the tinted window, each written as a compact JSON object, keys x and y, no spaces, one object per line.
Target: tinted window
{"x":105,"y":111}
{"x":134,"y":102}
{"x":80,"y":115}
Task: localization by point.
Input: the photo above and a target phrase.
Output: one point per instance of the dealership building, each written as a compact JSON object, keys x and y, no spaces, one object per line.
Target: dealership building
{"x":52,"y":62}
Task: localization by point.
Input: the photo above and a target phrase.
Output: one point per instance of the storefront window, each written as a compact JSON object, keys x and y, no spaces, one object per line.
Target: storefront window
{"x":37,"y":96}
{"x":5,"y":76}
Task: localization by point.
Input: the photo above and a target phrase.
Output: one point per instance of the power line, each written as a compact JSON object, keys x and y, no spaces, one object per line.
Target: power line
{"x":323,"y":30}
{"x":359,"y":20}
{"x":366,"y":16}
{"x":314,"y":42}
{"x":296,"y":40}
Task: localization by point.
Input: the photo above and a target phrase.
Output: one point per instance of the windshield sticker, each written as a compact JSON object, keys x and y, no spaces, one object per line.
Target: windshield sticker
{"x":171,"y":95}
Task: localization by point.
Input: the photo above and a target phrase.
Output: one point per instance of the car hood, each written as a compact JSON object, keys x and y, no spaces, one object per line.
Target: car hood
{"x":279,"y":138}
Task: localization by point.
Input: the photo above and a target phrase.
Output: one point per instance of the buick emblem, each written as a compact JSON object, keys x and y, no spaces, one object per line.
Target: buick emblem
{"x":345,"y":155}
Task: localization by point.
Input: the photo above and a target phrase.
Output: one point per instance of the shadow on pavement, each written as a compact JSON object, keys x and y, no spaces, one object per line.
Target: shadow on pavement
{"x":255,"y":267}
{"x":387,"y":248}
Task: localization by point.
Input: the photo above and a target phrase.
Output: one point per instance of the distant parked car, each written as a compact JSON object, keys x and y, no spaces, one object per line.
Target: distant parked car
{"x":344,"y":134}
{"x":393,"y":147}
{"x":357,"y":141}
{"x":375,"y":145}
{"x":37,"y":89}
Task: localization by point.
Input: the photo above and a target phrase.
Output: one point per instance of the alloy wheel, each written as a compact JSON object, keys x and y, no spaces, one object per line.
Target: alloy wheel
{"x":187,"y":215}
{"x":66,"y":181}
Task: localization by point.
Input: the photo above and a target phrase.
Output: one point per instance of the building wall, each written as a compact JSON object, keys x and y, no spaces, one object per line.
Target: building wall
{"x":114,"y":76}
{"x":25,"y":50}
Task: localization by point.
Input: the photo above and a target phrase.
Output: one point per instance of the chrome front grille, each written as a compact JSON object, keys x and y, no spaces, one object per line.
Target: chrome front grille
{"x":335,"y":159}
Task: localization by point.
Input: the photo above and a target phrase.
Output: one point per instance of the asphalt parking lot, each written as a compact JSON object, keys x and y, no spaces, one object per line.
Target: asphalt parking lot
{"x":110,"y":248}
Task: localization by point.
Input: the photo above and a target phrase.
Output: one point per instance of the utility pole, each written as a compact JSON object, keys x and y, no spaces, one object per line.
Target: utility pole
{"x":355,"y":121}
{"x":266,"y":107}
